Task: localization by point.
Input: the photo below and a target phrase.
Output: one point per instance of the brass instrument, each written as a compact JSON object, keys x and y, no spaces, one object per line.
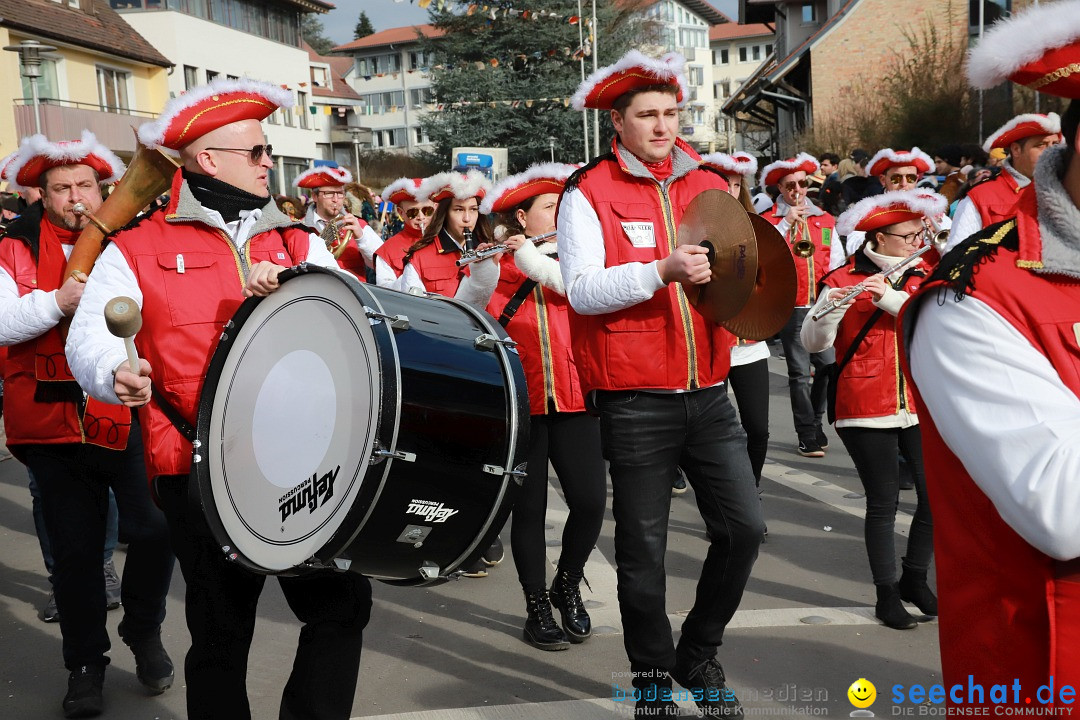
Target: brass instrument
{"x":861,"y":287}
{"x":331,"y":235}
{"x":804,"y":246}
{"x":936,"y":236}
{"x":471,"y":256}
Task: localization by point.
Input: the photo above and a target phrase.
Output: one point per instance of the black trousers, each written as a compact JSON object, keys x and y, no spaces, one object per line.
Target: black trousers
{"x":571,"y":441}
{"x":222,"y":598}
{"x":808,"y":400}
{"x":875,"y":454}
{"x":750,"y":382}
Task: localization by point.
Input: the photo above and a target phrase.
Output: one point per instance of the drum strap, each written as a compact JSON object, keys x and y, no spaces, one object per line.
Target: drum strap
{"x":515,"y":303}
{"x":183,"y":426}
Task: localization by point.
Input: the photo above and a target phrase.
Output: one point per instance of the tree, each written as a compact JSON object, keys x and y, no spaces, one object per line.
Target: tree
{"x":363,"y":27}
{"x":311,"y":28}
{"x":506,"y":81}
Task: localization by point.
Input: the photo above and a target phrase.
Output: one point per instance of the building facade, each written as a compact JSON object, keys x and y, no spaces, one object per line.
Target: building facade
{"x":737,"y":52}
{"x":334,"y":111}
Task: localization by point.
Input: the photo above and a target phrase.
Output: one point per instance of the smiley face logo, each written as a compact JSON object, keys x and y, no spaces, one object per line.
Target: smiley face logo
{"x":862,"y":693}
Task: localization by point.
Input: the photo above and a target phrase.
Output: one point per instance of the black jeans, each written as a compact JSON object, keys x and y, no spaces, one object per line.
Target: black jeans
{"x":222,"y":598}
{"x":644,"y":436}
{"x":74,"y":481}
{"x":572,"y":443}
{"x":874,"y":452}
{"x":750,"y":383}
{"x":807,"y":401}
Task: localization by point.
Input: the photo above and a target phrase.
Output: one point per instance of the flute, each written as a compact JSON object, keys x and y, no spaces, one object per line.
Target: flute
{"x":472,"y":256}
{"x":861,"y":287}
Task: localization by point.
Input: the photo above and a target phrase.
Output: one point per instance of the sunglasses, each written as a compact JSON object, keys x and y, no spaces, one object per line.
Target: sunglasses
{"x":897,"y":179}
{"x":413,"y":212}
{"x":789,"y":186}
{"x":254,"y":153}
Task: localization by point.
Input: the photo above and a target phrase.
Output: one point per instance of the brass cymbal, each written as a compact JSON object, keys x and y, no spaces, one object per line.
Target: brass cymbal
{"x":773,"y":296}
{"x":717,"y":221}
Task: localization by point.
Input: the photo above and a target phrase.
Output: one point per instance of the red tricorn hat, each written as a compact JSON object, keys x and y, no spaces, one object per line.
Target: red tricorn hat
{"x":889,"y":158}
{"x":403,"y":189}
{"x":455,"y":185}
{"x":634,"y":70}
{"x":323,"y":176}
{"x":739,"y":163}
{"x":1038,"y":48}
{"x":6,"y":163}
{"x":516,"y":189}
{"x":202,"y":109}
{"x":878,"y":211}
{"x":1023,"y":126}
{"x":773,"y":173}
{"x":37,"y":154}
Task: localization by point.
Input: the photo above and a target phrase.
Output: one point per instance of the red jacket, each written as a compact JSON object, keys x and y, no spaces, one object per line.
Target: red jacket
{"x":1007,"y":610}
{"x":437,"y":266}
{"x":662,"y":342}
{"x":872,"y":383}
{"x":810,"y":270}
{"x":996,"y":199}
{"x":184,"y":309}
{"x":541,"y":328}
{"x":393,"y":250}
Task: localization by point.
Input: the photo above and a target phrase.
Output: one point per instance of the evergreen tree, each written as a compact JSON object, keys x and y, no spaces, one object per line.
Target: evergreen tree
{"x":363,"y":27}
{"x":481,"y":60}
{"x":311,"y":28}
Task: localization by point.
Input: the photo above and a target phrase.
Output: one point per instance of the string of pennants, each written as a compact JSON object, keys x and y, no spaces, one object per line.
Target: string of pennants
{"x":495,"y":11}
{"x":515,"y":60}
{"x":531,"y":102}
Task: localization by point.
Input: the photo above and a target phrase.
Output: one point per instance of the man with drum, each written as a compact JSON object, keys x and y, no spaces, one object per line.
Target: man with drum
{"x":77,"y":448}
{"x":654,"y":370}
{"x":189,"y":267}
{"x":356,"y":242}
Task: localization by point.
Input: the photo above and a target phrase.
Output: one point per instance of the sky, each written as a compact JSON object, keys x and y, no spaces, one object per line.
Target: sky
{"x":340,"y":23}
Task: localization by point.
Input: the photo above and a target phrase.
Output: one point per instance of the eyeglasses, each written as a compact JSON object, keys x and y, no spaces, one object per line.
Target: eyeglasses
{"x":413,"y":212}
{"x":332,"y":193}
{"x":911,"y":238}
{"x":789,"y":186}
{"x":254,"y":153}
{"x":897,"y":179}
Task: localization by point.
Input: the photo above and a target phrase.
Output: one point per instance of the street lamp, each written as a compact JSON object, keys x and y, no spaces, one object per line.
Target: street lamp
{"x":30,"y":57}
{"x":551,"y":144}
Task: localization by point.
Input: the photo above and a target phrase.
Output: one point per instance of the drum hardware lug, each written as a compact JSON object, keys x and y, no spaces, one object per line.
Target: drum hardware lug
{"x":196,"y":458}
{"x":429,"y":570}
{"x":495,"y":470}
{"x":379,"y":453}
{"x":488,"y":342}
{"x":519,"y":474}
{"x":342,"y":564}
{"x":397,"y":322}
{"x":196,"y":444}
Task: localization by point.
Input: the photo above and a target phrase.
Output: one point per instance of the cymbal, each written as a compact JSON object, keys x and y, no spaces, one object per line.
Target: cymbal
{"x":717,"y":221}
{"x":773,"y":296}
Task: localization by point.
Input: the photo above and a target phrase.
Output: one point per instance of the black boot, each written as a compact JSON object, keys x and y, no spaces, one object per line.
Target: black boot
{"x":566,"y":597}
{"x":890,"y":610}
{"x":541,"y":631}
{"x":913,"y":589}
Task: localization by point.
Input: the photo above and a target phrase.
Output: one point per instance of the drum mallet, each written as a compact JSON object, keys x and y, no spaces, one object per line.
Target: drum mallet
{"x":123,"y":318}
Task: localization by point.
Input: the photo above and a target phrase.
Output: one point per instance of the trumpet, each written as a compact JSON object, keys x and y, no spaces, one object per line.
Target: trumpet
{"x":936,"y":236}
{"x":471,"y":256}
{"x":804,"y":246}
{"x":331,"y":235}
{"x":861,"y":287}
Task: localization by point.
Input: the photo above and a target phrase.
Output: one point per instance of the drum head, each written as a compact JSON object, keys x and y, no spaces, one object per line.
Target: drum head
{"x":287,"y":420}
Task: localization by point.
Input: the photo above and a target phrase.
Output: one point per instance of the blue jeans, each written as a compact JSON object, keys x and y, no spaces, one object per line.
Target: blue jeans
{"x":111,"y":526}
{"x":807,"y":401}
{"x":644,"y":437}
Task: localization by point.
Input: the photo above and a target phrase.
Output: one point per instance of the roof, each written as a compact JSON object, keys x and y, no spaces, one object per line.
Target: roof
{"x":339,"y":65}
{"x":708,"y":13}
{"x":100,"y":29}
{"x":393,"y":36}
{"x":732,"y":31}
{"x":312,"y":5}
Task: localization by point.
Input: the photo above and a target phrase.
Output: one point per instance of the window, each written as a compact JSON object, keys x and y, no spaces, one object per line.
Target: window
{"x":275,"y":118}
{"x":742,"y":54}
{"x":419,"y":97}
{"x":809,"y":13}
{"x":46,"y":84}
{"x":420,"y":136}
{"x":697,"y":74}
{"x":113,"y":89}
{"x":211,"y":75}
{"x":191,"y":77}
{"x":757,"y":52}
{"x":697,"y":114}
{"x":302,"y":109}
{"x":319,"y":77}
{"x":418,"y":60}
{"x":724,"y":59}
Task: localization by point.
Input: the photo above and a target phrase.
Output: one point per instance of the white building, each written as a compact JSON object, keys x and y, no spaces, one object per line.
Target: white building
{"x":333,"y":111}
{"x":737,"y":51}
{"x":260,"y":39}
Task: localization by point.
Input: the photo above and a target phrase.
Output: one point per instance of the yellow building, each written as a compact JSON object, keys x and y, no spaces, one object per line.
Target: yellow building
{"x":101,"y":75}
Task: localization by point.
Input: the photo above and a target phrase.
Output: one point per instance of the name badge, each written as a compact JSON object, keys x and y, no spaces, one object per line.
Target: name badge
{"x":281,"y":256}
{"x":640,"y":234}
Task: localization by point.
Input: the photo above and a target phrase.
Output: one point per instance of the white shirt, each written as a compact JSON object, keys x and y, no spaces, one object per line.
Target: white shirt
{"x":25,"y":318}
{"x":746,"y":354}
{"x":368,"y":242}
{"x":476,"y":288}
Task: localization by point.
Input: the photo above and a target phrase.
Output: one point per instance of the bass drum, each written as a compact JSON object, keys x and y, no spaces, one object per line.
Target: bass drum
{"x":348,"y":426}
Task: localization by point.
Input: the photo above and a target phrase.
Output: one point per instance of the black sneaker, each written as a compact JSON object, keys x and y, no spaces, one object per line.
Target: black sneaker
{"x":706,"y":679}
{"x":477,"y":570}
{"x":153,"y":666}
{"x":112,"y":587}
{"x":494,"y":554}
{"x":822,"y":439}
{"x":810,"y":448}
{"x":49,"y":613}
{"x":83,"y":699}
{"x":678,"y":487}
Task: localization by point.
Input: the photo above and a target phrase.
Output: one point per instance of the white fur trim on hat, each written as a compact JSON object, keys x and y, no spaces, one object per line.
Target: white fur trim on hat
{"x":554,"y":171}
{"x":735,"y":164}
{"x":929,"y":204}
{"x":1025,"y":37}
{"x":69,"y":152}
{"x":462,"y":186}
{"x":408,"y":185}
{"x":342,"y":174}
{"x":897,"y":159}
{"x":1051,"y":123}
{"x":669,"y":68}
{"x":791,"y":165}
{"x":152,"y":133}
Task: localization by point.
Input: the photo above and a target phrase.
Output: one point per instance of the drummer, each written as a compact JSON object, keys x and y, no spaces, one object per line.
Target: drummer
{"x":356,"y":241}
{"x":415,"y":210}
{"x":189,"y":266}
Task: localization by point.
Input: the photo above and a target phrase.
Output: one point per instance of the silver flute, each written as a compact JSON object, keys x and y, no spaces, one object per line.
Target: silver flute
{"x":861,"y":287}
{"x":471,"y":256}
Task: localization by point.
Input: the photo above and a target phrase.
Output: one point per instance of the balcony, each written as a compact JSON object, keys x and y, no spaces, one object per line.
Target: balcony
{"x":64,"y":119}
{"x":350,"y":134}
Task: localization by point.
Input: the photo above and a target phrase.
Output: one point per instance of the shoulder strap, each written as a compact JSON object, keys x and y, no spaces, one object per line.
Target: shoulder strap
{"x":183,"y":426}
{"x":858,"y":340}
{"x":516,"y":302}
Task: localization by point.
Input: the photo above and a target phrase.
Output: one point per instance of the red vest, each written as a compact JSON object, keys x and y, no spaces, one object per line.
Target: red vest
{"x":996,"y":199}
{"x":872,"y":383}
{"x":352,"y":259}
{"x":436,"y":264}
{"x":393,"y":250}
{"x":660,"y":343}
{"x":1007,"y":610}
{"x":541,"y":328}
{"x":810,"y":270}
{"x":184,"y":311}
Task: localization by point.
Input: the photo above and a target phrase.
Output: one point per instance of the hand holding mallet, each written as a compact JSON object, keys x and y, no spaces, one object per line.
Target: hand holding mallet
{"x":123,"y":318}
